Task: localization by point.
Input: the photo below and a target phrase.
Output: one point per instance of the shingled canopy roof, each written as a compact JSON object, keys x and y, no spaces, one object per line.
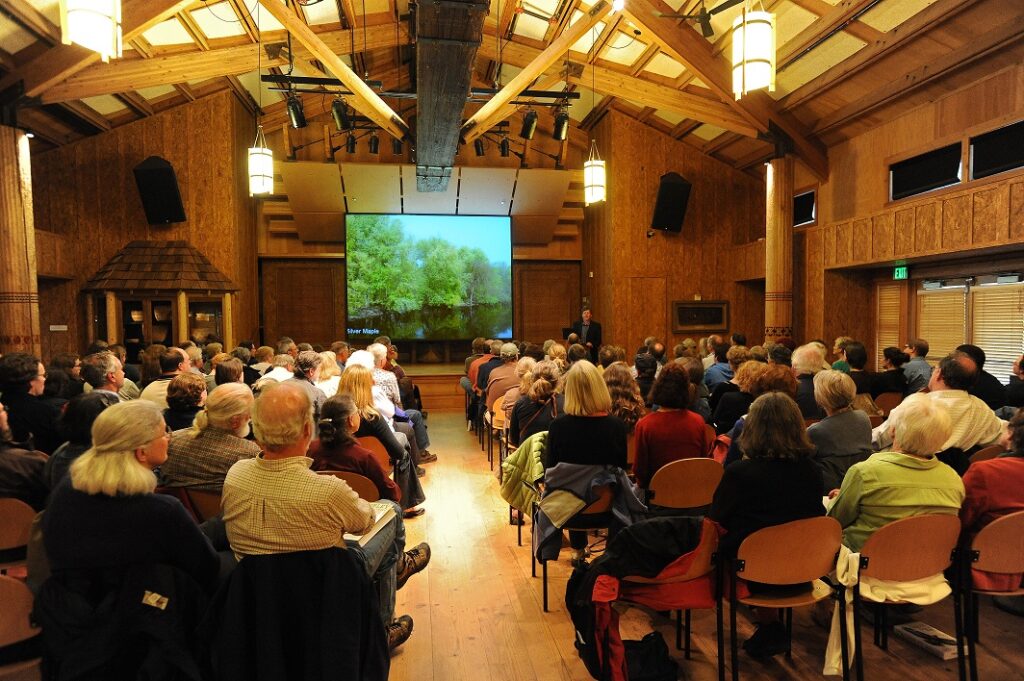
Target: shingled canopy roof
{"x":159,"y":266}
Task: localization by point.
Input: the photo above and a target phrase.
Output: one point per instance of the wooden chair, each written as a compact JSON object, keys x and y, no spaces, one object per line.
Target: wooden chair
{"x":15,"y":522}
{"x":376,"y":447}
{"x":685,"y":484}
{"x":888,"y":401}
{"x":602,"y":503}
{"x":876,"y":421}
{"x":986,"y":453}
{"x":630,"y":451}
{"x":711,"y":434}
{"x":360,"y":484}
{"x":204,"y":504}
{"x":904,"y":551}
{"x":495,"y":419}
{"x":15,"y":627}
{"x":999,"y":547}
{"x":794,"y":553}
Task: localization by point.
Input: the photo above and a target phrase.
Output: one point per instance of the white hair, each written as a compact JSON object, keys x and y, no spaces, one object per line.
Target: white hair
{"x":834,"y":390}
{"x":920,"y":425}
{"x":109,"y":467}
{"x":379,"y":352}
{"x":807,"y":359}
{"x":279,"y":415}
{"x":362,"y":358}
{"x":223,"y":404}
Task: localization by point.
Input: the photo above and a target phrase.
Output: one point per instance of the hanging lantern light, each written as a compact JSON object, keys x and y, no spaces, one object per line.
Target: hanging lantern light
{"x":753,"y":52}
{"x":93,"y":24}
{"x":261,"y":166}
{"x":593,"y":177}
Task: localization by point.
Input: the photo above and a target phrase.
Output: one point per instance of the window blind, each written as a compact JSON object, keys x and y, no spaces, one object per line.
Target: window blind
{"x":942,"y":320}
{"x":888,"y":328}
{"x":997,"y":326}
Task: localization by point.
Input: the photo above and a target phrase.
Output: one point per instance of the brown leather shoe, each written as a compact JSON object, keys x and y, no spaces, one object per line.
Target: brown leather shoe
{"x":427,"y":457}
{"x":399,"y":631}
{"x":413,"y":561}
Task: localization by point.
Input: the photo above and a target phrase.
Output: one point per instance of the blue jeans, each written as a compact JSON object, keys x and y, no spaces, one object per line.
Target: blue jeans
{"x":419,"y":428}
{"x":380,"y":558}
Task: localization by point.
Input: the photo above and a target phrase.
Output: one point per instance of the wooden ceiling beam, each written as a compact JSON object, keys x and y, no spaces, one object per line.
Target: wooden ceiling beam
{"x":721,"y":142}
{"x":47,"y":127}
{"x":133,"y":74}
{"x":363,"y":99}
{"x":247,"y":21}
{"x":7,"y":61}
{"x":62,"y":61}
{"x":637,"y":67}
{"x":193,"y":30}
{"x":136,"y":102}
{"x":858,"y":29}
{"x":185,"y":90}
{"x":1003,"y":35}
{"x":836,"y":19}
{"x":32,"y":20}
{"x":244,"y":96}
{"x":87,"y":114}
{"x":688,"y":47}
{"x":485,"y":117}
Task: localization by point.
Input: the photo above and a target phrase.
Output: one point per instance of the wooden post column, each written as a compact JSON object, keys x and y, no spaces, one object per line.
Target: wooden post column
{"x":19,"y":292}
{"x":778,"y":294}
{"x":229,"y":323}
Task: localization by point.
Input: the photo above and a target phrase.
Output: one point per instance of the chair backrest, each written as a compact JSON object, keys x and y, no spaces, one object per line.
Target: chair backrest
{"x":631,"y":450}
{"x":687,"y":483}
{"x":14,"y":615}
{"x":986,"y":453}
{"x":15,"y":520}
{"x":910,"y":548}
{"x":205,"y":504}
{"x":376,"y":447}
{"x":702,"y":558}
{"x":602,"y":503}
{"x":360,"y":484}
{"x":498,"y":420}
{"x":710,"y":434}
{"x":791,"y":553}
{"x":810,"y":422}
{"x":888,"y":401}
{"x":1000,"y":545}
{"x":876,"y":420}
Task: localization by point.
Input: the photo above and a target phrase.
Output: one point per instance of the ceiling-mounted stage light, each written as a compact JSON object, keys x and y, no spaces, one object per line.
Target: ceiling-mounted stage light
{"x":261,"y":166}
{"x":374,"y":143}
{"x":339,"y":111}
{"x":561,"y":129}
{"x":478,"y":146}
{"x":93,"y":24}
{"x":529,"y":125}
{"x":295,"y":111}
{"x":396,"y":146}
{"x":350,"y":143}
{"x":504,"y":147}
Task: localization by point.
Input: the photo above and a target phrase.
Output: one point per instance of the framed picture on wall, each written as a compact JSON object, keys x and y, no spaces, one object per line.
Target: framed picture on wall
{"x":710,"y":316}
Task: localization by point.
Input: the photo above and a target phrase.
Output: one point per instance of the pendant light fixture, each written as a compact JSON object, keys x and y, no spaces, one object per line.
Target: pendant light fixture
{"x":93,"y":24}
{"x":753,"y":51}
{"x":594,"y":171}
{"x":261,"y":158}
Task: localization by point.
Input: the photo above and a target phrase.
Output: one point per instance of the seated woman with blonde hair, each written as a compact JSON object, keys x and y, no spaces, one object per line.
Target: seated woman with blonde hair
{"x":524,"y":372}
{"x":843,"y":437}
{"x":330,"y":374}
{"x":903,"y":481}
{"x":539,"y":405}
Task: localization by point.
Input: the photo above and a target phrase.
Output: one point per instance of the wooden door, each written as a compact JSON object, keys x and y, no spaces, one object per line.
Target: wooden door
{"x":547,"y":299}
{"x":303,"y":299}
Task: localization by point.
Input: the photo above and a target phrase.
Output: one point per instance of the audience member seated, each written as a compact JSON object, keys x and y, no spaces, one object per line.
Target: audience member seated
{"x":244,"y":355}
{"x":104,"y":372}
{"x":330,"y":374}
{"x":262,"y":359}
{"x":576,"y":352}
{"x":1015,"y":390}
{"x":737,"y":355}
{"x":282,"y":368}
{"x":807,"y":362}
{"x":823,"y":352}
{"x":776,"y":482}
{"x":708,"y":346}
{"x":484,"y":370}
{"x":503,"y":377}
{"x":839,"y":350}
{"x":410,"y":421}
{"x":76,"y":427}
{"x":173,"y":361}
{"x":524,"y":372}
{"x":775,"y":378}
{"x":671,"y":433}
{"x":733,"y":405}
{"x":987,"y":387}
{"x":779,"y":354}
{"x":357,"y":383}
{"x":338,"y":450}
{"x":32,"y":422}
{"x":857,"y":357}
{"x":106,"y":532}
{"x":186,"y":395}
{"x":719,"y":371}
{"x":228,"y":371}
{"x":199,"y":457}
{"x":891,"y":378}
{"x":149,"y":363}
{"x":304,"y":511}
{"x":586,"y":433}
{"x":22,"y":472}
{"x":306,"y":374}
{"x":995,"y":488}
{"x":906,"y":479}
{"x":541,"y":404}
{"x":843,"y":437}
{"x":645,"y":368}
{"x":699,"y":400}
{"x":56,"y":390}
{"x":71,"y":364}
{"x":211,"y":376}
{"x":627,"y":404}
{"x":918,"y":371}
{"x":131,"y":371}
{"x":974,"y":424}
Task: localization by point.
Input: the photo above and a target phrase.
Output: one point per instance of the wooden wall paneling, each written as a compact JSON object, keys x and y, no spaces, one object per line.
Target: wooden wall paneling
{"x":546,"y":299}
{"x":849,"y":305}
{"x":904,"y":233}
{"x":1017,"y":211}
{"x":19,"y":293}
{"x":990,"y":216}
{"x":844,"y":243}
{"x":648,"y":304}
{"x":246,"y":303}
{"x":746,"y":312}
{"x":810,"y":307}
{"x":927,"y":230}
{"x":882,"y":236}
{"x":304,"y":299}
{"x":862,"y":240}
{"x":956,"y":222}
{"x":829,"y":245}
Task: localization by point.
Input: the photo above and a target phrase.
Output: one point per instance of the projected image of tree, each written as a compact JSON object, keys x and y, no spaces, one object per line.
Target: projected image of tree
{"x":429,"y":277}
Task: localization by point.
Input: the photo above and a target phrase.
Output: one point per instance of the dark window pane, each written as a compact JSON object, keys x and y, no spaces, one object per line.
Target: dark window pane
{"x":803,"y":208}
{"x":939,"y":168}
{"x":997,"y":151}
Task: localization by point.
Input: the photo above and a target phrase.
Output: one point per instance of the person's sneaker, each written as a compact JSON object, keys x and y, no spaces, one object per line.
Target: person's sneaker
{"x":413,"y":561}
{"x":427,"y":457}
{"x":420,"y":471}
{"x":399,"y":631}
{"x":469,"y":425}
{"x":414,"y":512}
{"x":769,"y":639}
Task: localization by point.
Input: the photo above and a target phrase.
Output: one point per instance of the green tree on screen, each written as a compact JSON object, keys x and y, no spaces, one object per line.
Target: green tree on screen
{"x":379,"y":255}
{"x":443,"y":273}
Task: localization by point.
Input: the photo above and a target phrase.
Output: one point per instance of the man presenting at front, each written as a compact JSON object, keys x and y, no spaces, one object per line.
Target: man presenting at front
{"x":589,"y":332}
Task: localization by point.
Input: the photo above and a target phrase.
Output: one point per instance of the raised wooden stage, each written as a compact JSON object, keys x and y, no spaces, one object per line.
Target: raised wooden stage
{"x":439,"y":385}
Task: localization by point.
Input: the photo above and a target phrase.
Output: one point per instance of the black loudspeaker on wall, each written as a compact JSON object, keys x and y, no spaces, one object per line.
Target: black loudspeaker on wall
{"x":158,"y":188}
{"x":670,"y":208}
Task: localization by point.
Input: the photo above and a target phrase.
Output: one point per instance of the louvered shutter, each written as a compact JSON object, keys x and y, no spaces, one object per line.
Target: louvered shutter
{"x":942,"y":320}
{"x":997,"y":326}
{"x":887,"y":317}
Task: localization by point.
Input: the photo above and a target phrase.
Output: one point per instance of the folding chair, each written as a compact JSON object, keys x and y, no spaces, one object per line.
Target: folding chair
{"x":360,"y":484}
{"x":376,"y":447}
{"x":15,"y":522}
{"x":986,"y":453}
{"x":495,"y":419}
{"x":888,"y":401}
{"x":15,"y":627}
{"x":685,"y":484}
{"x":205,"y":504}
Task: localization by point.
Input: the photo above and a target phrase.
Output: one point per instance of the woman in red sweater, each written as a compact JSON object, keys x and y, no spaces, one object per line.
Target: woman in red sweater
{"x":671,"y":433}
{"x":338,"y":450}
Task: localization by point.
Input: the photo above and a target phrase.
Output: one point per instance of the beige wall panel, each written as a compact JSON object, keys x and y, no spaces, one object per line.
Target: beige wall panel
{"x":862,"y":235}
{"x":312,"y":187}
{"x":927,"y":230}
{"x":1017,"y":211}
{"x":904,"y":237}
{"x":485,"y":191}
{"x":991,"y":213}
{"x":372,"y":187}
{"x":956,"y":222}
{"x":882,"y":229}
{"x":428,"y":203}
{"x":540,"y":191}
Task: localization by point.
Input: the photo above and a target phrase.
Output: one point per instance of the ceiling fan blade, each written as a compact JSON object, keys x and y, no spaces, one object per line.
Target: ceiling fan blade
{"x":724,"y":6}
{"x":704,"y":19}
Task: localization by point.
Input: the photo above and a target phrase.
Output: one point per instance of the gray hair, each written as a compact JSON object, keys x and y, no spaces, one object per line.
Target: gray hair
{"x":97,"y":366}
{"x":834,"y":390}
{"x":920,"y":425}
{"x":807,"y":359}
{"x":379,"y":352}
{"x":223,"y":404}
{"x":109,"y":467}
{"x":361,"y":358}
{"x":282,"y":361}
{"x":307,"y":361}
{"x":280,"y":414}
{"x":509,"y":351}
{"x":243,"y":354}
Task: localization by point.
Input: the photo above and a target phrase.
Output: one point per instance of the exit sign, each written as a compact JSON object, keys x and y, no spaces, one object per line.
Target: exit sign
{"x":899,"y":272}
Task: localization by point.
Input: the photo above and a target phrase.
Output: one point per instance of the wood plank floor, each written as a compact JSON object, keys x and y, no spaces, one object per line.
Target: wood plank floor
{"x":478,"y":615}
